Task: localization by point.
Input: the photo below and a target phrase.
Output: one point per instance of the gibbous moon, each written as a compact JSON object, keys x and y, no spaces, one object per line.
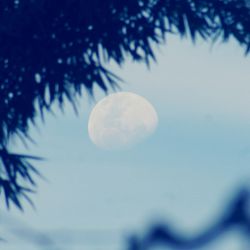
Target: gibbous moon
{"x":121,"y":120}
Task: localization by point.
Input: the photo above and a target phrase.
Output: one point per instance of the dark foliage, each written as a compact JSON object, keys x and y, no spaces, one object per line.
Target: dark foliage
{"x":237,"y":216}
{"x":51,"y":51}
{"x":16,"y":166}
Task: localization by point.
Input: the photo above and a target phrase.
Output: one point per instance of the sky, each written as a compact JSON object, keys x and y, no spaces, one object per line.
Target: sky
{"x":184,"y":174}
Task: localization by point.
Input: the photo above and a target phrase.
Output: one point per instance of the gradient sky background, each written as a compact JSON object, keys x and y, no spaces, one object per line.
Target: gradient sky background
{"x":184,"y":174}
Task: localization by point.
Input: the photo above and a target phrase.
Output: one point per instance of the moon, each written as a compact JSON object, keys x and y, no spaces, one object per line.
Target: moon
{"x":121,"y":120}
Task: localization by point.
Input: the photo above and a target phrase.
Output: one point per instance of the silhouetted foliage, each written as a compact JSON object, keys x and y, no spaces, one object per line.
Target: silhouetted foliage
{"x":51,"y":51}
{"x":237,"y":215}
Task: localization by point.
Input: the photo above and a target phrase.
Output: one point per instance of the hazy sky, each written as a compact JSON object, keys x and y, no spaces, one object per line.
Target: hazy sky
{"x":183,"y":174}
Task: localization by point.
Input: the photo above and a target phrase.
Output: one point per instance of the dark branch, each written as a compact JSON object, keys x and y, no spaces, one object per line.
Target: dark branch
{"x":52,"y":51}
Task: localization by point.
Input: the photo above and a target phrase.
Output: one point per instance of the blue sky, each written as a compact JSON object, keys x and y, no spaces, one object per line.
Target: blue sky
{"x":184,"y":173}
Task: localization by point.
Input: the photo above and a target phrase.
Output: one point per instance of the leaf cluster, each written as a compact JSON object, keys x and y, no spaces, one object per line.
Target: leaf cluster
{"x":52,"y":51}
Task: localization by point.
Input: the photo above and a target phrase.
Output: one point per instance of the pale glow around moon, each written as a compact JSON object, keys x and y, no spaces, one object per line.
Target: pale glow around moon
{"x":121,"y":120}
